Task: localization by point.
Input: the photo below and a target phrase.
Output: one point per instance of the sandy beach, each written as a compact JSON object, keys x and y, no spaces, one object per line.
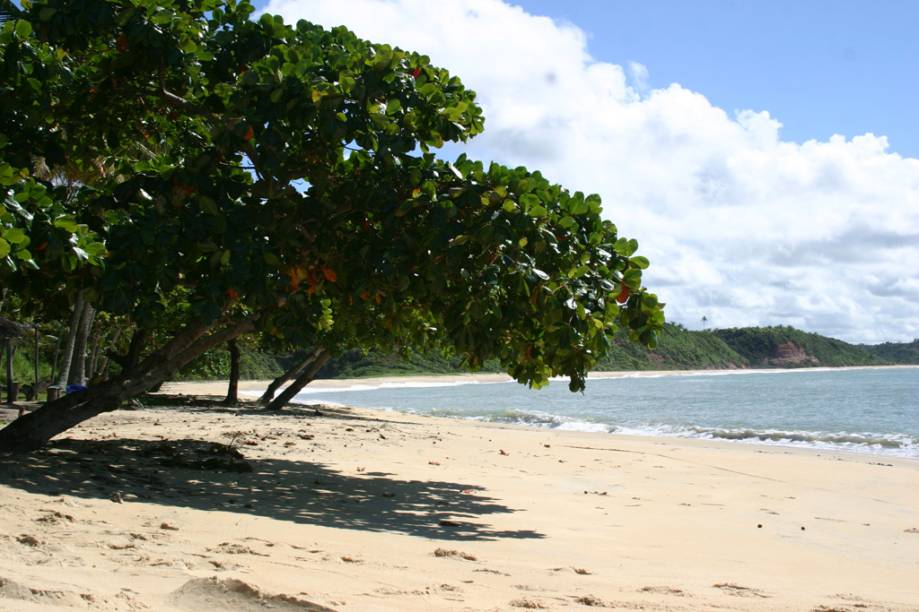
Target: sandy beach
{"x":195,"y":506}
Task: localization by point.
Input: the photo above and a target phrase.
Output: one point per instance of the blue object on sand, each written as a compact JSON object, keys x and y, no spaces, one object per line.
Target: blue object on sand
{"x":75,"y":388}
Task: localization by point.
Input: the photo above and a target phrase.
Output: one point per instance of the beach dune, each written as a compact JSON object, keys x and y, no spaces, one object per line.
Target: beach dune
{"x":201,"y":507}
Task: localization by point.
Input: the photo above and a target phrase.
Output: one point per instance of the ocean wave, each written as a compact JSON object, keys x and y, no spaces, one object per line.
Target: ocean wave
{"x":842,"y":438}
{"x":895,"y":444}
{"x":529,"y":418}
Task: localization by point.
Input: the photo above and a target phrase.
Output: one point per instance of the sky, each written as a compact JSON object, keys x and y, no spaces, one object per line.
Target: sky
{"x":763,"y":154}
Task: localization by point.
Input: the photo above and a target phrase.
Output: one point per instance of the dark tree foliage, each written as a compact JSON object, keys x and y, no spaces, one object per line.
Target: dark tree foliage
{"x":207,"y":175}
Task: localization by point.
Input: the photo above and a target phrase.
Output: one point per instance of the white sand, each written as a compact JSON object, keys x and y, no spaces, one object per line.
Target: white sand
{"x":347,"y":511}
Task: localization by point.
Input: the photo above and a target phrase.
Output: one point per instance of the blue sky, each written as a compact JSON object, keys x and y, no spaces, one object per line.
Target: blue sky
{"x":764,"y":154}
{"x":821,"y":67}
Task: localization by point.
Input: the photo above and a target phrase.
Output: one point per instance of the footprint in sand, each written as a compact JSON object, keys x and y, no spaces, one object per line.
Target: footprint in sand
{"x":45,"y":597}
{"x":590,"y":600}
{"x":663,"y":590}
{"x":529,"y":604}
{"x":28,"y":540}
{"x":443,"y":552}
{"x":739,"y":591}
{"x":230,"y":594}
{"x":230,"y":548}
{"x":53,"y":517}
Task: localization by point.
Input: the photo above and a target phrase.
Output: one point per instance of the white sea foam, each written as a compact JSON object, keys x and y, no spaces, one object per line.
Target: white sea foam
{"x":901,"y":445}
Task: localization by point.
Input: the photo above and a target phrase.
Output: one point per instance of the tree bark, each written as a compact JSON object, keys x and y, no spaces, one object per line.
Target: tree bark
{"x":57,"y":359}
{"x":71,"y":340}
{"x":9,"y":371}
{"x":34,"y":394}
{"x":305,"y":378}
{"x":81,"y":346}
{"x":233,"y":386}
{"x":293,"y":372}
{"x":36,"y":428}
{"x":134,"y":349}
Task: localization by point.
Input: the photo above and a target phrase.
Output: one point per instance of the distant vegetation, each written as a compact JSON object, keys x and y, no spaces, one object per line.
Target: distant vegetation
{"x":764,"y":347}
{"x":678,"y":349}
{"x":897,"y":352}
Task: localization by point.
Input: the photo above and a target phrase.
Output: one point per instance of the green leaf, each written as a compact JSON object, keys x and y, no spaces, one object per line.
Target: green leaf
{"x":4,"y":248}
{"x":640,"y":262}
{"x":14,"y":235}
{"x":529,"y":199}
{"x":23,"y":28}
{"x":537,"y":211}
{"x":632,"y":279}
{"x":67,"y":224}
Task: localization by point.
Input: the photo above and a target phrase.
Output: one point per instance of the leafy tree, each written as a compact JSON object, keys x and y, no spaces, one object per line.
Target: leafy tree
{"x":228,"y":175}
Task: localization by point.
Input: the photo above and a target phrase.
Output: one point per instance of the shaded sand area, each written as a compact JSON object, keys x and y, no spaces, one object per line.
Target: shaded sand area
{"x":201,"y":507}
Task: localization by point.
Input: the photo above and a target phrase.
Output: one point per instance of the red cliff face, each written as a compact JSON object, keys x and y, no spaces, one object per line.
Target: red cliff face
{"x":789,"y":354}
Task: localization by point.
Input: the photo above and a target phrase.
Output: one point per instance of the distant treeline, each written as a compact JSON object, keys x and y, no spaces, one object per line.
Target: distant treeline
{"x":678,"y":349}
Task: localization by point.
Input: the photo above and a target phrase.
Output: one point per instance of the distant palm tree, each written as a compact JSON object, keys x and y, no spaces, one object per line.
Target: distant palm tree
{"x":704,"y":321}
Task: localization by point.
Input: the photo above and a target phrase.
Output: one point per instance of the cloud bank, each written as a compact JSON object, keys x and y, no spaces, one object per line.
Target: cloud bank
{"x":741,"y":226}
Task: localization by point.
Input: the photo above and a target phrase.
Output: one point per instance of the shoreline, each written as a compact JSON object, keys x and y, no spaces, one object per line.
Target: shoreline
{"x":755,"y":438}
{"x":488,"y":377}
{"x":374,"y":510}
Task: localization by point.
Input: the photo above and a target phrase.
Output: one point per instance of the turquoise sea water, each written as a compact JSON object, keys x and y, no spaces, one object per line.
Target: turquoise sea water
{"x":869,"y":410}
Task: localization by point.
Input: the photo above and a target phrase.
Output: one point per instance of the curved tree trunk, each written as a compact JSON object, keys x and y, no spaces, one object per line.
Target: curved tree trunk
{"x":293,"y":372}
{"x":305,"y":378}
{"x":233,"y":386}
{"x":36,"y":428}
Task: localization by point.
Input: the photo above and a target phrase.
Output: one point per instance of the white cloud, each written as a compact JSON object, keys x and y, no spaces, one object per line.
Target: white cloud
{"x":740,"y":225}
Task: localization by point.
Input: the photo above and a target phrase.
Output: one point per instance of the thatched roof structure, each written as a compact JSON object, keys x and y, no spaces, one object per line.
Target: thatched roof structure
{"x":11,"y":329}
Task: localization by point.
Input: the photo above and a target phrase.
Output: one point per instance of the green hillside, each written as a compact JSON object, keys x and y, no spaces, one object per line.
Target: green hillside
{"x":678,"y":349}
{"x":896,"y":352}
{"x":787,"y":347}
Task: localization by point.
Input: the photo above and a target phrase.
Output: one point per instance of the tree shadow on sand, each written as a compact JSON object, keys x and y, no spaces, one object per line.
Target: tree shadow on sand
{"x":249,"y":407}
{"x":210,"y":476}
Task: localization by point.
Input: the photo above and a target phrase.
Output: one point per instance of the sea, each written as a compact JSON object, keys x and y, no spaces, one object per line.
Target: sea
{"x":870,"y":410}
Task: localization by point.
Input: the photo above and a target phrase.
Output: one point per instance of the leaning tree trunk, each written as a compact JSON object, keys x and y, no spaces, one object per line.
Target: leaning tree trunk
{"x":233,"y":386}
{"x":293,"y":372}
{"x":36,"y":428}
{"x":305,"y":378}
{"x":71,"y":340}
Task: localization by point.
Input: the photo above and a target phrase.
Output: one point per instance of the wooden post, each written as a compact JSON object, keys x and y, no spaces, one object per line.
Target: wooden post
{"x":54,"y":392}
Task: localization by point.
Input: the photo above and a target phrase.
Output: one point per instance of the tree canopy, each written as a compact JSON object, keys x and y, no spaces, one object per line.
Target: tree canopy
{"x":206,"y":174}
